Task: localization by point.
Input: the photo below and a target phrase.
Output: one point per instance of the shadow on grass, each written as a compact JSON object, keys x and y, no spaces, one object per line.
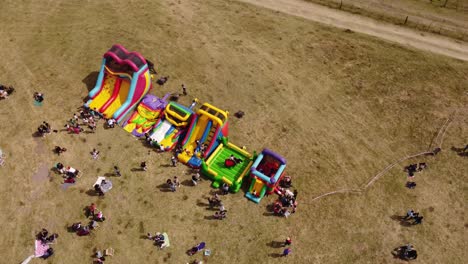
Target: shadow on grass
{"x":460,"y":151}
{"x":90,"y":80}
{"x":36,"y":134}
{"x":275,"y":255}
{"x":164,"y":187}
{"x":91,"y":192}
{"x":166,"y":165}
{"x":401,"y":220}
{"x":187,"y":183}
{"x":275,"y":244}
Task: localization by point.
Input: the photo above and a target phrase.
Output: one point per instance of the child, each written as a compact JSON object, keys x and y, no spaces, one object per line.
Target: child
{"x":143,"y":166}
{"x":117,"y":171}
{"x":174,"y":161}
{"x":195,"y":179}
{"x":59,"y":150}
{"x":176,"y":181}
{"x":95,"y":154}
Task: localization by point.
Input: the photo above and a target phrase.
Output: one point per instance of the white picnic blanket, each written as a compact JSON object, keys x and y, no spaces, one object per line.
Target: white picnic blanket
{"x":166,"y":241}
{"x":104,"y":187}
{"x":99,"y":180}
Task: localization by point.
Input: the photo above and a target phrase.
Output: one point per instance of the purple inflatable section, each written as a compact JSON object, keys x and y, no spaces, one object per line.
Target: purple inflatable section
{"x":154,"y":102}
{"x":274,"y":155}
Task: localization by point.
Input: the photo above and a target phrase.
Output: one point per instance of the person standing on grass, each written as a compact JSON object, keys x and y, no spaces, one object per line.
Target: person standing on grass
{"x":95,"y":154}
{"x":287,"y":242}
{"x":117,"y":171}
{"x":409,"y":214}
{"x":143,"y":166}
{"x":225,"y":188}
{"x":195,"y":178}
{"x":176,"y":181}
{"x":174,"y":161}
{"x":184,"y":89}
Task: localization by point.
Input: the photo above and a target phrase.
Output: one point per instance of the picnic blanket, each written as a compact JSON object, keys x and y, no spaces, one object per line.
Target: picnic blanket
{"x":99,"y":180}
{"x":166,"y":243}
{"x":26,"y":261}
{"x":104,"y":187}
{"x":41,"y":248}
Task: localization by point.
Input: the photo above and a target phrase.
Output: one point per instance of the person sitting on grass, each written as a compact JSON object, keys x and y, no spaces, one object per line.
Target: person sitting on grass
{"x":3,"y":94}
{"x":161,"y":81}
{"x":38,"y":97}
{"x":214,"y":201}
{"x":99,"y":217}
{"x":286,"y":182}
{"x":52,"y":238}
{"x":98,"y":190}
{"x":60,"y":168}
{"x":220,"y":215}
{"x":91,"y":210}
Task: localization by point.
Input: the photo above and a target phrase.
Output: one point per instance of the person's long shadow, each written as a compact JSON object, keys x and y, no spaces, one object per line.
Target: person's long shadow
{"x":401,"y":220}
{"x":460,"y":151}
{"x":275,"y":244}
{"x":164,"y":187}
{"x":275,"y":255}
{"x":91,"y":192}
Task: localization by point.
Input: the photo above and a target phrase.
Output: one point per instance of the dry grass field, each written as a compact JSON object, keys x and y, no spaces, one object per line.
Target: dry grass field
{"x":444,"y":17}
{"x":339,"y":106}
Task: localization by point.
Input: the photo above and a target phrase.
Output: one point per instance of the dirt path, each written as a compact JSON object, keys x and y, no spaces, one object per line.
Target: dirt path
{"x":402,"y":35}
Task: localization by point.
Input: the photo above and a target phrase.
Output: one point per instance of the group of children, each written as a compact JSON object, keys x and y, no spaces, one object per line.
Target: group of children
{"x":69,"y":174}
{"x":96,"y":216}
{"x":286,"y":204}
{"x":44,"y":129}
{"x":158,"y":238}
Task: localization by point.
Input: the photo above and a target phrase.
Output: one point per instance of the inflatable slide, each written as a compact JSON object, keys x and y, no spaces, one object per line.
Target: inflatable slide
{"x":171,"y":125}
{"x":210,"y":124}
{"x":123,"y":80}
{"x":146,"y":115}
